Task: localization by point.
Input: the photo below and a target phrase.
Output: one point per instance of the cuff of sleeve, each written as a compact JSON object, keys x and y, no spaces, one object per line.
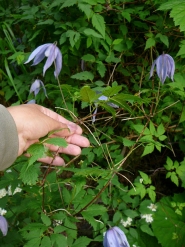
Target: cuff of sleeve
{"x":9,"y":143}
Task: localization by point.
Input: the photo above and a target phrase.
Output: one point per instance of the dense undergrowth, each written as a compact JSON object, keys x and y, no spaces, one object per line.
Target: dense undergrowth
{"x":133,"y":174}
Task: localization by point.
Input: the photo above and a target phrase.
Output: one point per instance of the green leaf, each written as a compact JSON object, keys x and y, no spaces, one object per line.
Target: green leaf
{"x":36,"y":151}
{"x":91,"y":32}
{"x":87,"y":94}
{"x":182,"y":49}
{"x":68,"y":3}
{"x":147,"y":229}
{"x":101,"y":68}
{"x":174,"y":178}
{"x":89,"y":58}
{"x":148,"y":149}
{"x":73,"y":37}
{"x":111,"y":91}
{"x":45,"y":219}
{"x":152,"y":128}
{"x":149,"y":43}
{"x":99,"y":23}
{"x":145,"y":177}
{"x":169,"y":165}
{"x":131,"y":213}
{"x":57,"y":141}
{"x":167,"y":222}
{"x":46,"y":22}
{"x":86,"y":8}
{"x":127,"y":142}
{"x":84,"y":76}
{"x":163,"y":39}
{"x":160,"y":130}
{"x":82,"y":242}
{"x":29,"y":174}
{"x":151,"y":193}
{"x":46,"y":242}
{"x":182,"y":118}
{"x":126,"y":15}
{"x":117,"y":41}
{"x":59,"y":239}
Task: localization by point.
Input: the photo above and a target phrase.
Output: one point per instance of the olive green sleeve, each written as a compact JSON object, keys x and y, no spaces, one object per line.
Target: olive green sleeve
{"x":9,"y":142}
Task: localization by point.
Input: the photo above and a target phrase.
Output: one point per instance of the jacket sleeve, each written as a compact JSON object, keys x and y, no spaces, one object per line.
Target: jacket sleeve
{"x":9,"y":142}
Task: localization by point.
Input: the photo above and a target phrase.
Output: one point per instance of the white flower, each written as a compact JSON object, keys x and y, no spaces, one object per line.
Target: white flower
{"x":57,"y":222}
{"x":10,"y":193}
{"x":141,"y":180}
{"x":127,"y":222}
{"x":148,"y":217}
{"x":153,"y":207}
{"x":2,"y":211}
{"x":3,"y":193}
{"x":9,"y":170}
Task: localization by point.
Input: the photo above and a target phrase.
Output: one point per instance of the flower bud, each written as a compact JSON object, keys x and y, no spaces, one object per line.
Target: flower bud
{"x":3,"y":225}
{"x":115,"y":237}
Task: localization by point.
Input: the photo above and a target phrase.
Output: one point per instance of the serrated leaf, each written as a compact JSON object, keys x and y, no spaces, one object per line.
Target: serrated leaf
{"x":163,"y":39}
{"x":82,"y":242}
{"x":126,"y":15}
{"x":87,"y":94}
{"x":149,"y":43}
{"x":167,"y":222}
{"x":101,"y":69}
{"x":86,"y":8}
{"x":111,"y":91}
{"x":152,"y":128}
{"x":36,"y":151}
{"x":84,"y":76}
{"x":151,"y":193}
{"x":89,"y":58}
{"x":160,"y":130}
{"x":46,"y":22}
{"x":58,"y":239}
{"x":68,"y":3}
{"x":174,"y":178}
{"x":57,"y":141}
{"x":91,"y":32}
{"x":148,"y":149}
{"x":147,"y":229}
{"x":99,"y":23}
{"x":145,"y":177}
{"x":46,"y":242}
{"x":45,"y":219}
{"x":127,"y":142}
{"x":29,"y":174}
{"x":73,"y":37}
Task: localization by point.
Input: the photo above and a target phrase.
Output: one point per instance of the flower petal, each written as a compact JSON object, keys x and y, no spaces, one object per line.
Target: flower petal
{"x":51,"y":53}
{"x":35,"y":52}
{"x":3,"y":225}
{"x":58,"y":63}
{"x":40,"y":55}
{"x":122,"y":236}
{"x":152,"y":69}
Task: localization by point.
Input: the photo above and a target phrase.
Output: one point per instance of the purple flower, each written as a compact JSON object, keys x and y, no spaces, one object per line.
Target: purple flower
{"x":53,"y":54}
{"x":3,"y":225}
{"x":115,"y":237}
{"x":102,"y":98}
{"x":35,"y":87}
{"x":32,"y":101}
{"x":165,"y":67}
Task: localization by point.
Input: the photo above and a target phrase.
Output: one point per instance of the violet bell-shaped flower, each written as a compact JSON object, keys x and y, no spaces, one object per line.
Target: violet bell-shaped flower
{"x":3,"y":225}
{"x":102,"y":98}
{"x":165,"y":67}
{"x":53,"y":54}
{"x":115,"y":237}
{"x":35,"y":87}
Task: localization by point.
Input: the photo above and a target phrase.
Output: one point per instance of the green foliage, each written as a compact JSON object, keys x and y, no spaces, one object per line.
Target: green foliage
{"x":135,"y":164}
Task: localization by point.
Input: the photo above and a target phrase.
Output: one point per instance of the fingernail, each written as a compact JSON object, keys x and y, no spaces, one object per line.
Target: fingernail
{"x":72,"y":127}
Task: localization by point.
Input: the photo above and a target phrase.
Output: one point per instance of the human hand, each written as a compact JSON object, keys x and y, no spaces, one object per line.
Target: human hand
{"x":34,"y":121}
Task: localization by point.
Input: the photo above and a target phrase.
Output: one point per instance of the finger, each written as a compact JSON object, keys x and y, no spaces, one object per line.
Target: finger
{"x":70,"y":149}
{"x":57,"y":161}
{"x":72,"y":126}
{"x":80,"y":141}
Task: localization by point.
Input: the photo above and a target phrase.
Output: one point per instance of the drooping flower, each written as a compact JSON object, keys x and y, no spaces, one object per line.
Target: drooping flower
{"x":3,"y":225}
{"x":102,"y":98}
{"x":165,"y":67}
{"x":35,"y":87}
{"x":115,"y":237}
{"x":53,"y":54}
